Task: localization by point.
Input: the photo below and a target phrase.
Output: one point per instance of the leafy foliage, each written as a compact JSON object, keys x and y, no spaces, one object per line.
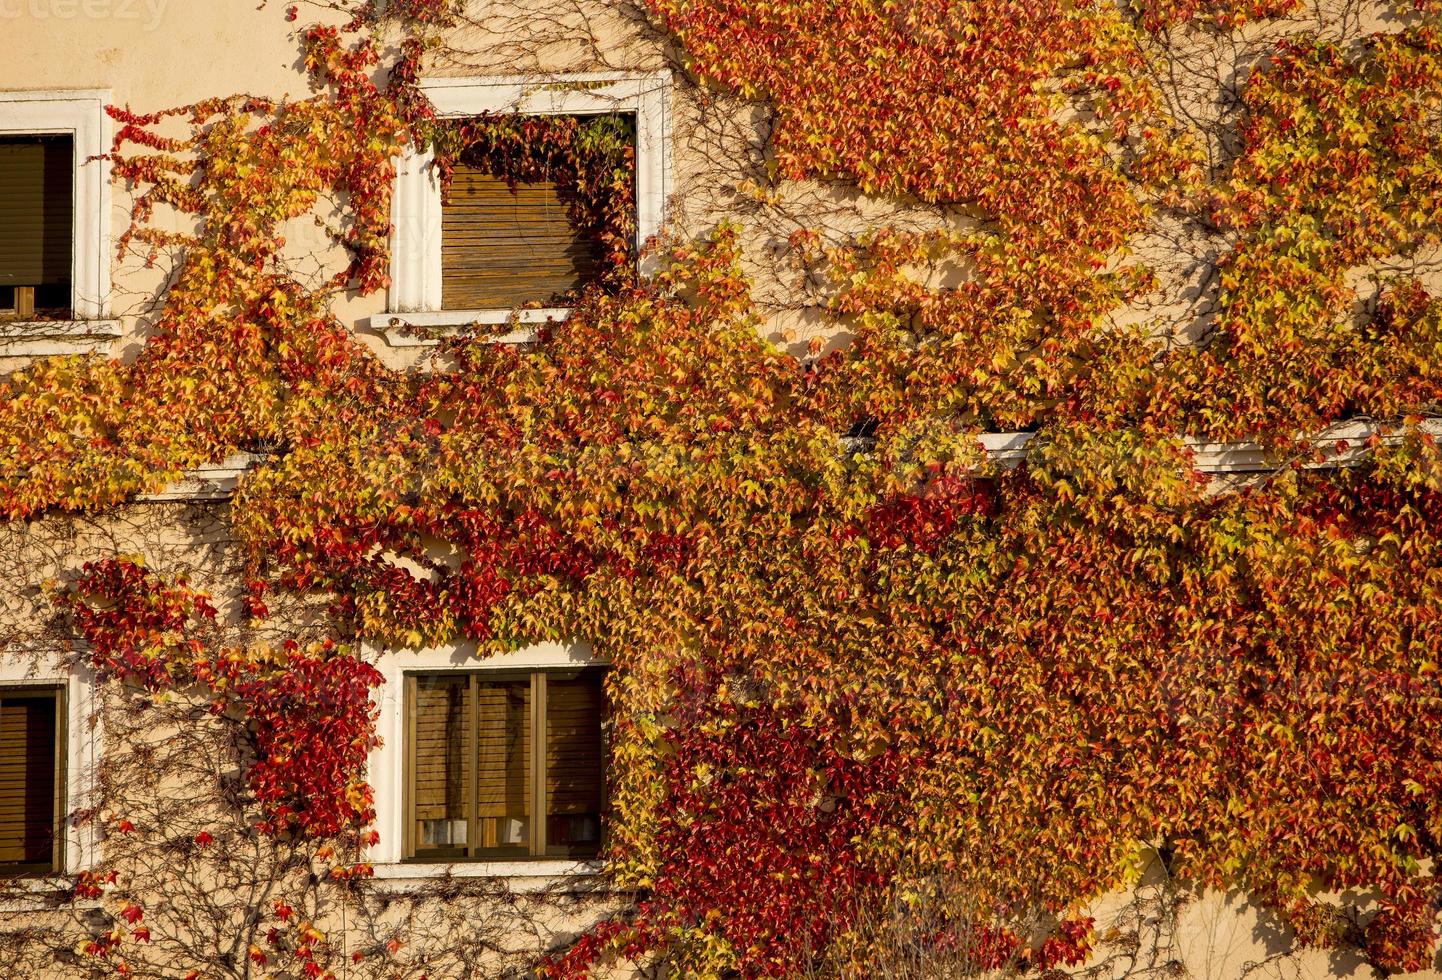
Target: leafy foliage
{"x":310,"y":708}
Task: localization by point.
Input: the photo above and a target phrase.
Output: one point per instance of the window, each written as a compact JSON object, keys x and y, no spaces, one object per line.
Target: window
{"x":528,"y":230}
{"x":54,"y":223}
{"x":36,"y":219}
{"x":32,"y":779}
{"x":54,"y":215}
{"x":492,"y":248}
{"x":486,"y":752}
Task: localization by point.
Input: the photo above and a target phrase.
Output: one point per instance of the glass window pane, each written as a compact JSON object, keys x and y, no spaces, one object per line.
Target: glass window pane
{"x":443,"y":769}
{"x":27,"y":782}
{"x":575,"y":764}
{"x":504,"y":763}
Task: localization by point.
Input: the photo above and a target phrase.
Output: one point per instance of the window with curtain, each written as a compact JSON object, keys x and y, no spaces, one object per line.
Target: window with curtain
{"x":505,"y":766}
{"x":37,"y":193}
{"x":32,"y":779}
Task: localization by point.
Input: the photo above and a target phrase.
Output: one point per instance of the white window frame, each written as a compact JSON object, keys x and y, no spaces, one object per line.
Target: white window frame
{"x":414,"y":299}
{"x":387,"y":775}
{"x":84,"y":736}
{"x":81,"y":115}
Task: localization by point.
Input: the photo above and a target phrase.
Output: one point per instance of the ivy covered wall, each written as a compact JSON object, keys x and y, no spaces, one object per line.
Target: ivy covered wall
{"x":875,"y":692}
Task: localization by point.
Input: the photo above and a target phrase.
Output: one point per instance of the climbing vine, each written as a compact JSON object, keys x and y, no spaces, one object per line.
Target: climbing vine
{"x":858,"y":663}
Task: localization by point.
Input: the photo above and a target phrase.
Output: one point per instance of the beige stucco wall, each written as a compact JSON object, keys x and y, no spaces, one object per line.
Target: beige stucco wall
{"x":149,"y":53}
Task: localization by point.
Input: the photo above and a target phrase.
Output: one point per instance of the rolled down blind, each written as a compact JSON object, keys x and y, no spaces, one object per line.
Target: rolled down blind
{"x":504,"y":763}
{"x":575,"y":762}
{"x":503,"y":247}
{"x":442,"y":762}
{"x":36,"y":210}
{"x":28,"y":779}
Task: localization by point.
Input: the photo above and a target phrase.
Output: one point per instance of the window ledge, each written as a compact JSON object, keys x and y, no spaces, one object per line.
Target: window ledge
{"x":214,"y":482}
{"x":38,"y":894}
{"x":516,"y":876}
{"x":42,"y":338}
{"x":1346,"y":443}
{"x":397,"y":327}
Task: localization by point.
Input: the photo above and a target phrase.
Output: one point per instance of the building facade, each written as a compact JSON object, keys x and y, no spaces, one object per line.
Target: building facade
{"x":489,"y":776}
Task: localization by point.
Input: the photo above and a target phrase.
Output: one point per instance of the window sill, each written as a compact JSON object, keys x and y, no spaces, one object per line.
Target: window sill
{"x":42,"y":338}
{"x":517,"y":876}
{"x":39,"y":893}
{"x":214,"y":482}
{"x":397,"y":327}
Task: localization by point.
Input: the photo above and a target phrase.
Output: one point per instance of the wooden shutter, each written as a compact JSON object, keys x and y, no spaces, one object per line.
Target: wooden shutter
{"x":29,"y":779}
{"x":503,"y":247}
{"x":36,"y":211}
{"x":441,"y":764}
{"x":575,"y":763}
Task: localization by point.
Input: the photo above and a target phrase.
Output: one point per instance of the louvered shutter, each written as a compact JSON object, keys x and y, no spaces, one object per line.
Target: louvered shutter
{"x":575,"y":764}
{"x":503,"y":247}
{"x":29,"y":780}
{"x":36,"y":213}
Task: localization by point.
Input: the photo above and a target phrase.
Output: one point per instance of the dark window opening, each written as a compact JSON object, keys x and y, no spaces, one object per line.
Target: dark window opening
{"x":32,"y":779}
{"x":37,"y":217}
